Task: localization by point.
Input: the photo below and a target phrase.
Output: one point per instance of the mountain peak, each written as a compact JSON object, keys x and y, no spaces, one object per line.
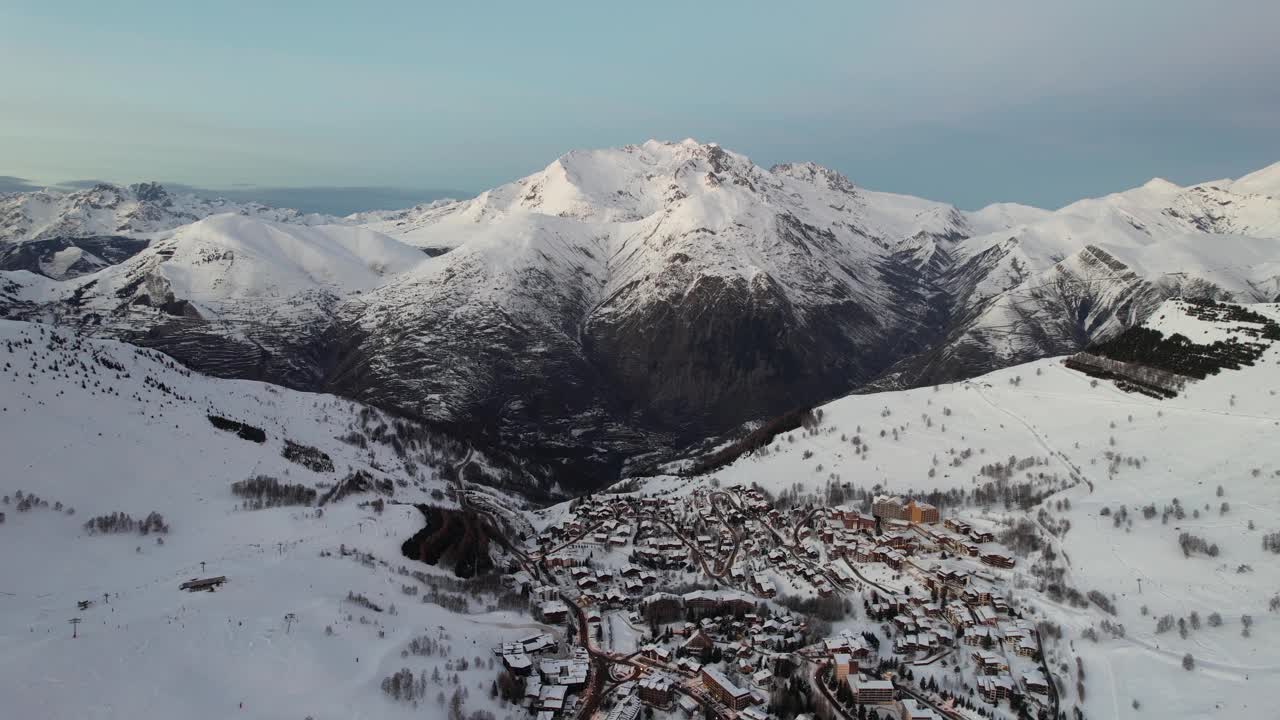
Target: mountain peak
{"x":1261,"y":182}
{"x":1161,"y":185}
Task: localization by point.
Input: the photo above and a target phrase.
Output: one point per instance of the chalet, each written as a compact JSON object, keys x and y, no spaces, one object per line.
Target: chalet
{"x":655,"y":689}
{"x":553,"y":611}
{"x":699,"y":644}
{"x":890,"y":557}
{"x":847,"y":643}
{"x":1035,"y":682}
{"x":990,"y":663}
{"x":957,"y":613}
{"x":656,"y":652}
{"x":995,"y":689}
{"x":1026,"y":646}
{"x":997,"y":558}
{"x":689,"y":666}
{"x":979,"y":635}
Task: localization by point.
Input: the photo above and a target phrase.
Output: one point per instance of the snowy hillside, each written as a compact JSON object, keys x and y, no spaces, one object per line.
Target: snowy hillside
{"x":66,"y":234}
{"x":93,"y":428}
{"x":1167,"y":507}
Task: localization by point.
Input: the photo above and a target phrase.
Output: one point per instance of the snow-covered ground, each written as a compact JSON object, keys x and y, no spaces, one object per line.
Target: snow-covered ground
{"x":96,"y":427}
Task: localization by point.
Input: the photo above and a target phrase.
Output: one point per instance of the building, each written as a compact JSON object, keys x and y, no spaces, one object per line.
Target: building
{"x":888,"y":507}
{"x":725,"y":692}
{"x":840,"y":666}
{"x":656,"y":652}
{"x":518,"y":663}
{"x":921,"y":512}
{"x":699,"y":645}
{"x":997,"y":558}
{"x":661,"y":607}
{"x":995,"y":689}
{"x":553,"y":611}
{"x":551,"y":697}
{"x":913,"y":709}
{"x":852,"y":519}
{"x":655,"y":689}
{"x":990,"y":663}
{"x":1034,"y":682}
{"x":870,"y":692}
{"x":628,"y":709}
{"x":570,"y":671}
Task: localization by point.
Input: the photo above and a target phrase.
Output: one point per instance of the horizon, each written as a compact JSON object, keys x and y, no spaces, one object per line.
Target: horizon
{"x":340,"y":200}
{"x":989,"y":102}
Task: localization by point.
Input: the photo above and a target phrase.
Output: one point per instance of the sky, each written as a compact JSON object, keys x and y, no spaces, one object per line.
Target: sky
{"x":968,"y":102}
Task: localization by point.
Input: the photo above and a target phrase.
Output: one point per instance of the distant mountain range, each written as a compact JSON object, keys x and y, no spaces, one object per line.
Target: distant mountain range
{"x":623,"y":302}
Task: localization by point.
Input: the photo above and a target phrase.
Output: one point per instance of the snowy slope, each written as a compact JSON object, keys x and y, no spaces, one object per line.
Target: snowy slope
{"x":99,"y":427}
{"x":233,"y":295}
{"x":1095,"y":447}
{"x":226,"y":259}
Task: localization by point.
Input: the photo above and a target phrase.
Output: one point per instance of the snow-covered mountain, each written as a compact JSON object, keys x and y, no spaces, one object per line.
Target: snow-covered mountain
{"x":1058,"y":281}
{"x":67,"y":234}
{"x":1103,"y":489}
{"x":635,"y":298}
{"x":674,"y":286}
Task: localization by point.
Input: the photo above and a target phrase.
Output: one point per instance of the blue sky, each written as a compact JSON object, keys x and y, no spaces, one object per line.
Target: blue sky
{"x":969,"y":102}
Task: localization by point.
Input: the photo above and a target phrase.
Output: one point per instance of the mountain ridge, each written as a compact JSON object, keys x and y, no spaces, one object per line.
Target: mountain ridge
{"x":630,"y":299}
